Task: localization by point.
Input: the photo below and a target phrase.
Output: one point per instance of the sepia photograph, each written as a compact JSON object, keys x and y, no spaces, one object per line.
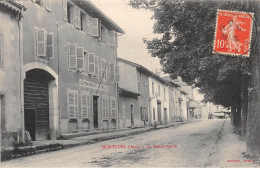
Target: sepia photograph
{"x":129,"y":84}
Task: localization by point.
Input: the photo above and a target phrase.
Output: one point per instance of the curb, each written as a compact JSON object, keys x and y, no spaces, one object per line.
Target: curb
{"x":19,"y":152}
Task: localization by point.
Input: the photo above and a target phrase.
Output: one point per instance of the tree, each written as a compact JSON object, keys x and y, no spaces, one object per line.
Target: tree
{"x":185,"y":49}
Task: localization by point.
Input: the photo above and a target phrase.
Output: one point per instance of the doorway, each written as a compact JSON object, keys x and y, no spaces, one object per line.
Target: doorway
{"x":29,"y":122}
{"x":95,"y":111}
{"x":159,"y":112}
{"x":132,"y":116}
{"x":165,"y":116}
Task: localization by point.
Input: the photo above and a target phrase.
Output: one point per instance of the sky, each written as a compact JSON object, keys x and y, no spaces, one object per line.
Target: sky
{"x":137,"y":24}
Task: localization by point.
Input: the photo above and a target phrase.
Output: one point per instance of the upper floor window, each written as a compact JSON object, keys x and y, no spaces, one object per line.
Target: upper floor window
{"x":159,"y":90}
{"x":44,"y":43}
{"x":164,"y":92}
{"x":139,"y":87}
{"x":69,"y":13}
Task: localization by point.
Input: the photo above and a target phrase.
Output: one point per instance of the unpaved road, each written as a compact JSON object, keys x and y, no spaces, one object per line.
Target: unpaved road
{"x":209,"y":143}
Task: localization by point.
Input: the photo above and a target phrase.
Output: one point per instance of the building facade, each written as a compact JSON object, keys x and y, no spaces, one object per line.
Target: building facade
{"x":11,"y":27}
{"x":133,"y":95}
{"x":70,"y":68}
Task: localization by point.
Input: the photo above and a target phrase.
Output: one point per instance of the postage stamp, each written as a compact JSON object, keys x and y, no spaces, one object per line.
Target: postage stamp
{"x":233,"y":33}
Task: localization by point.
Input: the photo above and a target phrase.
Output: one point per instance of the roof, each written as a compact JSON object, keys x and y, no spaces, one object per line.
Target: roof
{"x":127,"y":93}
{"x":96,"y":12}
{"x":140,"y":67}
{"x":15,"y":6}
{"x":169,"y":80}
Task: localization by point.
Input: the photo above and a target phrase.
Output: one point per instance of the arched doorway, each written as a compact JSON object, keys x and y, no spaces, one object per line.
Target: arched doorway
{"x":39,"y":109}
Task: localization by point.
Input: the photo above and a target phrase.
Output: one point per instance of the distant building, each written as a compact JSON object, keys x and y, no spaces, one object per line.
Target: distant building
{"x":11,"y":71}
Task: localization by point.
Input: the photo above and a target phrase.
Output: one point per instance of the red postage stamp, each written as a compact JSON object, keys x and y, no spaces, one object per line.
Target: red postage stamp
{"x":233,"y":33}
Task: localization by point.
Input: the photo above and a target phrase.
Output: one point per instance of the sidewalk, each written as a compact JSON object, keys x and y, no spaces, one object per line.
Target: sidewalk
{"x":38,"y":147}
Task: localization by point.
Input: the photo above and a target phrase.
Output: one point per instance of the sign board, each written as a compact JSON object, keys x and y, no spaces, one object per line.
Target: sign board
{"x":93,"y":85}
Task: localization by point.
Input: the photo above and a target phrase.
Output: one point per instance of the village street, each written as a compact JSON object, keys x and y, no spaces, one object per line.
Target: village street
{"x":209,"y":143}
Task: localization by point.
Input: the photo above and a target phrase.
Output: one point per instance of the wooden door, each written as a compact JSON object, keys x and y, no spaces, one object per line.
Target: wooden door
{"x":95,"y":111}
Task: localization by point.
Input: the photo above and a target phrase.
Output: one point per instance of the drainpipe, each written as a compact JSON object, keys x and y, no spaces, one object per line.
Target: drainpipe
{"x":22,"y":75}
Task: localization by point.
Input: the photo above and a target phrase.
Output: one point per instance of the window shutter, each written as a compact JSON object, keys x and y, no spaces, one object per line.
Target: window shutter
{"x":65,"y":12}
{"x":113,"y":108}
{"x":91,"y":63}
{"x":104,"y":69}
{"x":75,"y":19}
{"x":76,"y":104}
{"x":117,"y":77}
{"x":80,"y":58}
{"x":88,"y":105}
{"x":103,"y":107}
{"x":1,"y":51}
{"x":96,"y":66}
{"x":106,"y":37}
{"x":95,"y":27}
{"x":89,"y":26}
{"x":112,"y":40}
{"x":84,"y":106}
{"x":112,"y":72}
{"x":40,"y":42}
{"x":78,"y":25}
{"x":85,"y":61}
{"x":71,"y":108}
{"x":50,"y":45}
{"x":107,"y":107}
{"x":48,"y":5}
{"x":72,"y":55}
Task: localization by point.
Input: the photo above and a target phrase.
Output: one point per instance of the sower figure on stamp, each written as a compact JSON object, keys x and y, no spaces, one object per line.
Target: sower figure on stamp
{"x":233,"y":43}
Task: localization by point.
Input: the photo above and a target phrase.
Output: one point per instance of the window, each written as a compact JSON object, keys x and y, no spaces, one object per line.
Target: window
{"x":44,"y":43}
{"x":112,"y":38}
{"x":91,"y":63}
{"x":113,"y":107}
{"x":152,"y":88}
{"x":159,"y":90}
{"x":85,"y":105}
{"x":72,"y":103}
{"x":69,"y":12}
{"x":146,"y":89}
{"x":1,"y":51}
{"x":76,"y":17}
{"x":105,"y":106}
{"x":139,"y":88}
{"x":89,"y":24}
{"x":83,"y":21}
{"x":104,"y":69}
{"x":72,"y":49}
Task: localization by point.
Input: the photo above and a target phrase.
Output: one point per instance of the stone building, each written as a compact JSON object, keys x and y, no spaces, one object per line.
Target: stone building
{"x":70,"y":50}
{"x":133,"y":94}
{"x":11,"y":71}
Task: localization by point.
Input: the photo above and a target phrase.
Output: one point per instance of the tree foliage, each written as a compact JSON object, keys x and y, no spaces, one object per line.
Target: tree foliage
{"x":186,"y":46}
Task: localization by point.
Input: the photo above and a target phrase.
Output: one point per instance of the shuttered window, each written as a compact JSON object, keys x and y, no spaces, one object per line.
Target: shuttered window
{"x":40,"y":41}
{"x":85,"y":61}
{"x":112,"y":39}
{"x":75,"y":19}
{"x":48,"y":5}
{"x":113,"y":107}
{"x":72,"y":104}
{"x":117,"y":78}
{"x":106,"y":33}
{"x":95,"y":27}
{"x":104,"y":68}
{"x":112,"y":72}
{"x":72,"y":55}
{"x":96,"y":66}
{"x":80,"y":58}
{"x":50,"y":45}
{"x":105,"y":106}
{"x":91,"y":63}
{"x":1,"y":51}
{"x":85,"y":105}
